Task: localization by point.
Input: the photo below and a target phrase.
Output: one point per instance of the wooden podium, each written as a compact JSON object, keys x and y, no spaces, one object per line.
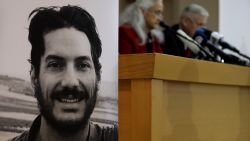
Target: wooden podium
{"x":169,"y":98}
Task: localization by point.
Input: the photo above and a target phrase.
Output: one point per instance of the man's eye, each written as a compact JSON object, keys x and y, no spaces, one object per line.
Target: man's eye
{"x":53,"y":65}
{"x":158,"y":12}
{"x":83,"y":66}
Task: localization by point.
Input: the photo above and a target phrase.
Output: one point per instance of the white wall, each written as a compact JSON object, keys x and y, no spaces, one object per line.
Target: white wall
{"x":15,"y":48}
{"x":234,"y":23}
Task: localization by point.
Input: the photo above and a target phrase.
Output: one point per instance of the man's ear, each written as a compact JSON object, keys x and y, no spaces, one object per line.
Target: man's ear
{"x":33,"y":78}
{"x":185,"y":21}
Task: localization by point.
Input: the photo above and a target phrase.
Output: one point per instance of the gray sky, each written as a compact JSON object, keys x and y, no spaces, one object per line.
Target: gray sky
{"x":15,"y":48}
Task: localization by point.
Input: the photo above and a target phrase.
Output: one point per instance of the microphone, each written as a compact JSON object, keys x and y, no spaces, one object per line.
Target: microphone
{"x":194,"y":46}
{"x":202,"y":38}
{"x":187,"y":40}
{"x":190,"y":43}
{"x":217,"y":39}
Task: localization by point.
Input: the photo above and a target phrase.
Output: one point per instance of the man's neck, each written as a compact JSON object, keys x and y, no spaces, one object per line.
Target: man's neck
{"x":47,"y":133}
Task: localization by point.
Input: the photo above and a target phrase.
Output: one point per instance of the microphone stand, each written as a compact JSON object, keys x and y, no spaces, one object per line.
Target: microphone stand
{"x":243,"y":55}
{"x":205,"y":54}
{"x":203,"y":51}
{"x":228,"y":58}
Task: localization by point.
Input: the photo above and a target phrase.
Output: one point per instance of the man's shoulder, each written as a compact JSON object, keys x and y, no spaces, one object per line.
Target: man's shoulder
{"x":104,"y":133}
{"x":175,"y":27}
{"x":21,"y":137}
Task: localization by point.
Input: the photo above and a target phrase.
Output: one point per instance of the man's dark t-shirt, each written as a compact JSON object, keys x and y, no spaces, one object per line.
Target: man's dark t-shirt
{"x":96,"y":133}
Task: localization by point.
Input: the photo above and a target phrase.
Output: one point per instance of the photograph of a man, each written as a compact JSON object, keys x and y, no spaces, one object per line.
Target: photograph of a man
{"x":65,"y":75}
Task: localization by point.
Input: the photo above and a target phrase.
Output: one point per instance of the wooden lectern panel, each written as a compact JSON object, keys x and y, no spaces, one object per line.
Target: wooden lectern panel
{"x":199,"y":112}
{"x":135,"y":106}
{"x":167,"y":67}
{"x":209,"y":102}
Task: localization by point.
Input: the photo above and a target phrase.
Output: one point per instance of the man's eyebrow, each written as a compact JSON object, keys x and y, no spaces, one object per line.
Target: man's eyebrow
{"x":53,"y":57}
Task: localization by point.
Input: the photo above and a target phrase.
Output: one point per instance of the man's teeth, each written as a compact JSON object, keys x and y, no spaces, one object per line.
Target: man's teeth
{"x":69,"y":100}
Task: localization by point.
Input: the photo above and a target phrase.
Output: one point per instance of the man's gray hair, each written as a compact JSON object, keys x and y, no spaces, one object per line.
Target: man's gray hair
{"x":194,"y":9}
{"x":133,"y":16}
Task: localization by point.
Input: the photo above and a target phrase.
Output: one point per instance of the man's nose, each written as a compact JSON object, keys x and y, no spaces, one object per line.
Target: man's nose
{"x":70,"y":78}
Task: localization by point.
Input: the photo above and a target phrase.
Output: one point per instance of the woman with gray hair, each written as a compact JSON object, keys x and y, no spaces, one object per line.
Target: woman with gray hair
{"x":136,"y":23}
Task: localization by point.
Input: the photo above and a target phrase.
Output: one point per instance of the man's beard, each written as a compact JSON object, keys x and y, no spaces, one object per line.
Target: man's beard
{"x":71,"y":126}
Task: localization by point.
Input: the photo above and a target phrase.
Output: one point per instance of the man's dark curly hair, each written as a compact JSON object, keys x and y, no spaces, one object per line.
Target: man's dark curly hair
{"x":52,"y":18}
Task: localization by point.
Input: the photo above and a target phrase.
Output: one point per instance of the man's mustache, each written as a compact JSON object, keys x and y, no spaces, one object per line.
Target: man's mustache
{"x":70,"y":93}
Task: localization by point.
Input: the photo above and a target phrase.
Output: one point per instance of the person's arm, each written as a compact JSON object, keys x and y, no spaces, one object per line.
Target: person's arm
{"x":125,"y":42}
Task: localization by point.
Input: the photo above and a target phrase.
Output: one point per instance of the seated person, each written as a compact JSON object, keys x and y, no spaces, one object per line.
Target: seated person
{"x":193,"y":17}
{"x":136,"y":24}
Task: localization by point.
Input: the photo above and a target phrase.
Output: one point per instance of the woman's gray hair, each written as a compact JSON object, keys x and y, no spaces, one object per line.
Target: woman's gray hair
{"x":133,"y":16}
{"x":194,"y":9}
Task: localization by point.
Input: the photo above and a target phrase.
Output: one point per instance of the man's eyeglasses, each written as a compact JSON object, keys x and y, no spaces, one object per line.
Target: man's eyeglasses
{"x":157,"y":13}
{"x":196,"y":22}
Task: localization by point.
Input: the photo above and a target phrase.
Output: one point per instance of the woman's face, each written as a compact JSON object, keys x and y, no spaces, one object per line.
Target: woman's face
{"x":153,"y":15}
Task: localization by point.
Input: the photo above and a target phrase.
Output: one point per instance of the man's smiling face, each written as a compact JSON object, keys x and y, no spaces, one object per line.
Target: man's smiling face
{"x":67,"y":84}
